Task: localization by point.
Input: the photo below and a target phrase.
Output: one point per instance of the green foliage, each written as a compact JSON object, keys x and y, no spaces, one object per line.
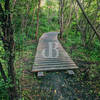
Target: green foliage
{"x":87,"y":58}
{"x":2,"y":52}
{"x":3,"y":90}
{"x":24,"y":21}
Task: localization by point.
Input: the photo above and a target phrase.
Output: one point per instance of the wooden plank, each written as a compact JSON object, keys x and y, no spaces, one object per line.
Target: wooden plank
{"x":49,"y":61}
{"x":61,"y":62}
{"x":46,"y":66}
{"x":52,"y":69}
{"x":57,"y":66}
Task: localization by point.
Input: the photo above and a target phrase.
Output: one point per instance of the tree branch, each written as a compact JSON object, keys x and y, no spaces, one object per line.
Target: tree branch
{"x":89,"y":22}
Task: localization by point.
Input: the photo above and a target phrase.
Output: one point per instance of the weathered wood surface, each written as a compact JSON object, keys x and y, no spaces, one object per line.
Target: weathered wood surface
{"x":51,"y":55}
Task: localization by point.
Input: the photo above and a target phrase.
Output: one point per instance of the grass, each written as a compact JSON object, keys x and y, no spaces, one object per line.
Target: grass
{"x":24,"y":64}
{"x":87,"y":58}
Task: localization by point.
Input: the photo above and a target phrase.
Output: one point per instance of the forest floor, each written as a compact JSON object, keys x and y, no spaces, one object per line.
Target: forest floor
{"x":54,"y":85}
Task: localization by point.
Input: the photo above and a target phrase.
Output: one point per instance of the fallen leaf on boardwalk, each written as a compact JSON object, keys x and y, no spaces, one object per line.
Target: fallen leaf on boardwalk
{"x":54,"y":91}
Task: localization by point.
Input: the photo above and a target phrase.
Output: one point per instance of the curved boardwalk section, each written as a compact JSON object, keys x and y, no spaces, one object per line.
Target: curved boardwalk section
{"x":51,"y":55}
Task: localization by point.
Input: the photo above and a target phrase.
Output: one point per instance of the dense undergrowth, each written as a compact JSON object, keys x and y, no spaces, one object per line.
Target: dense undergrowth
{"x":86,"y":57}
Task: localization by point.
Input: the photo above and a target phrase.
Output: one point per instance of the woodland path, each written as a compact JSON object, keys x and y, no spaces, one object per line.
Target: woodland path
{"x":57,"y":85}
{"x":51,"y":55}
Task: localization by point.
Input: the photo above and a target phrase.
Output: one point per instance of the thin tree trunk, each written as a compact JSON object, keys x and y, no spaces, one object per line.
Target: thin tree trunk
{"x":61,"y":18}
{"x":37,"y":27}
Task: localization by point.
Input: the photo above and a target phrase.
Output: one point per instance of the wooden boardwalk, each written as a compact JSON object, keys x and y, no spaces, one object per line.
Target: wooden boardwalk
{"x":51,"y":55}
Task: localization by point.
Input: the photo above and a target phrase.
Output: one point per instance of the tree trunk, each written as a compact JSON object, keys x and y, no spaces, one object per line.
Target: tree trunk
{"x":11,"y":55}
{"x":37,"y":27}
{"x":8,"y":41}
{"x":61,"y":18}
